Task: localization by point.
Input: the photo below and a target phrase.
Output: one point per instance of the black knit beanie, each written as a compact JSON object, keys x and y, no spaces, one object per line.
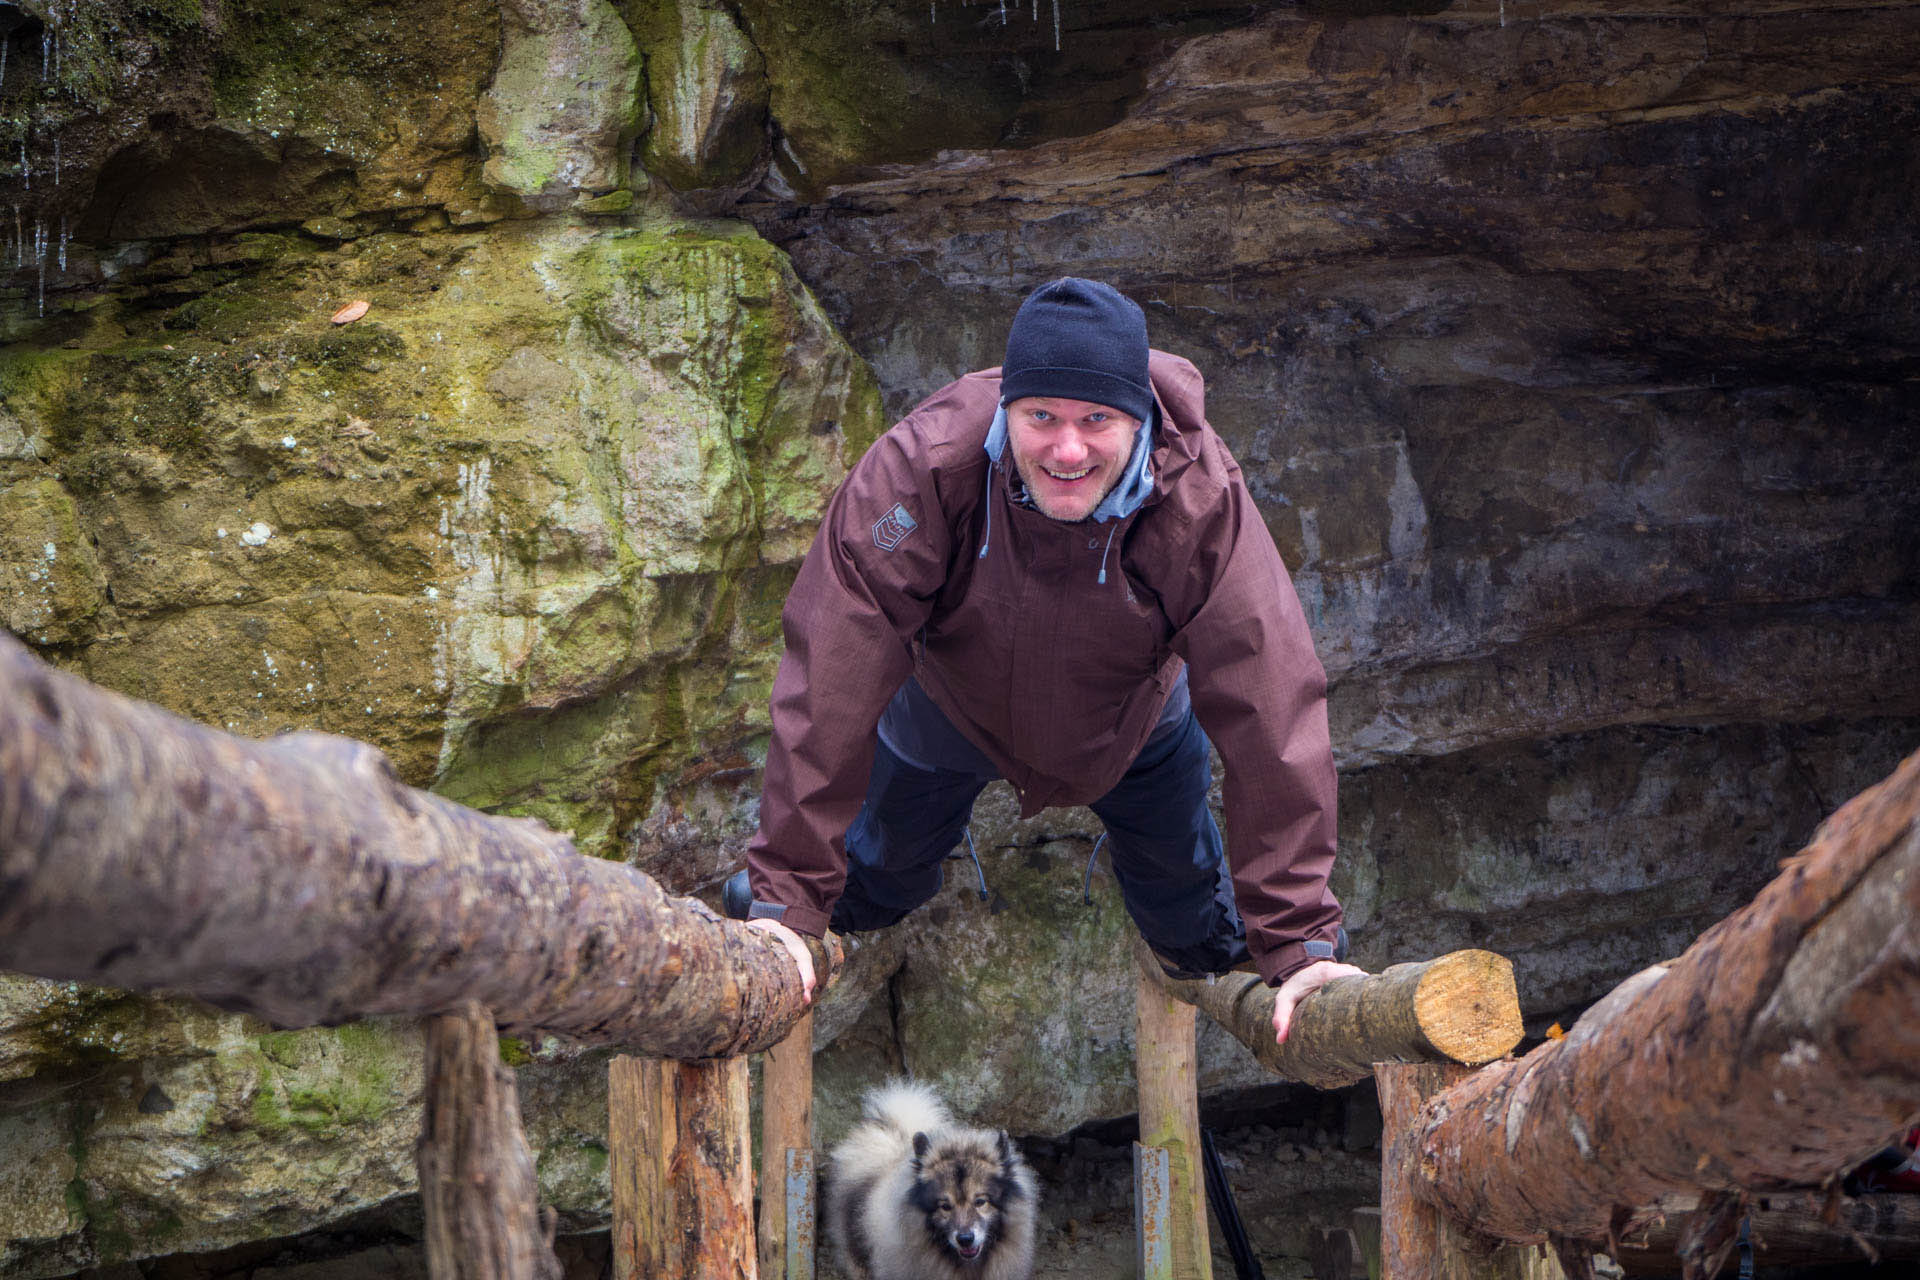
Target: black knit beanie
{"x":1081,"y":340}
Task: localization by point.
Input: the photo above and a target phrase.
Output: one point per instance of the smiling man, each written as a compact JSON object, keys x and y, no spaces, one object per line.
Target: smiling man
{"x":1052,"y":572}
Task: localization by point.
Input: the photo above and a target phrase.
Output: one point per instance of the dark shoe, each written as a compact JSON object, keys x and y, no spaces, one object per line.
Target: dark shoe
{"x":736,"y":896}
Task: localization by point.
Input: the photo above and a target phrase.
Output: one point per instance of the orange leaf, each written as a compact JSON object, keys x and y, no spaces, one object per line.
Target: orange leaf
{"x":351,"y":312}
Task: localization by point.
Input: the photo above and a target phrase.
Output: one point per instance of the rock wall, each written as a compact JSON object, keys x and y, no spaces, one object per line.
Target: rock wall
{"x":1570,"y":351}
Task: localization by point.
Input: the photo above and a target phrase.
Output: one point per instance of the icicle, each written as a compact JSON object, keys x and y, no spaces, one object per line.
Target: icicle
{"x":56,"y":159}
{"x":1503,"y":12}
{"x":1056,"y":26}
{"x":63,"y":244}
{"x":19,"y":240}
{"x":26,"y":170}
{"x":4,"y":46}
{"x":46,"y":53}
{"x":40,"y":256}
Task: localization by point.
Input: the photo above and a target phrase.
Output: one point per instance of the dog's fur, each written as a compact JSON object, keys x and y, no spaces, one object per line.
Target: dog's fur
{"x":909,"y":1191}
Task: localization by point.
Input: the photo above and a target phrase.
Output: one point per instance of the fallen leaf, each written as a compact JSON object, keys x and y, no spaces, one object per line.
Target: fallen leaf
{"x":1556,"y":1032}
{"x":351,"y":312}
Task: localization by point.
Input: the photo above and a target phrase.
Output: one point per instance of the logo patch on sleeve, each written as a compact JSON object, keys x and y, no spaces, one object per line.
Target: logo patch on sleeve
{"x":891,"y":529}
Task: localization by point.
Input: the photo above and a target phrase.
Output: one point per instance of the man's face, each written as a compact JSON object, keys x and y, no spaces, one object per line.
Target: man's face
{"x":1070,"y":453}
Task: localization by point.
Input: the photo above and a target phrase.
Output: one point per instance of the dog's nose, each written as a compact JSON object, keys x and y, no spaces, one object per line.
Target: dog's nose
{"x":965,"y":1239}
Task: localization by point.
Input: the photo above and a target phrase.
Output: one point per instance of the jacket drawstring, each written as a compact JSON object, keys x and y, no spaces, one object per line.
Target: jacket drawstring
{"x":1103,"y":555}
{"x":986,"y":539}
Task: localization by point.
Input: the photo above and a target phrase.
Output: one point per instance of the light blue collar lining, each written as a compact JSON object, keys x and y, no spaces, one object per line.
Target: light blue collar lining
{"x":1134,"y":486}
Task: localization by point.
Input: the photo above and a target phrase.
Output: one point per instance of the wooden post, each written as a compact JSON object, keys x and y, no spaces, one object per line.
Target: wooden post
{"x":786,"y":1131}
{"x":1167,"y":1069}
{"x":477,"y":1193}
{"x":682,"y":1170}
{"x":1416,"y":1241}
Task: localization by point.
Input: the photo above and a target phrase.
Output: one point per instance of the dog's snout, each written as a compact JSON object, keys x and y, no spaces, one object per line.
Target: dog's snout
{"x":966,"y":1239}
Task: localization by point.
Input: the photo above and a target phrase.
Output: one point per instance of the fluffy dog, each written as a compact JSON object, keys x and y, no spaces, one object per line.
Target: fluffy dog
{"x":913,"y":1196}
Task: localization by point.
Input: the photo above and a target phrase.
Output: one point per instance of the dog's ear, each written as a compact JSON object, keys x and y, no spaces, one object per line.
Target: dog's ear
{"x":1007,"y":1154}
{"x":920,"y":1145}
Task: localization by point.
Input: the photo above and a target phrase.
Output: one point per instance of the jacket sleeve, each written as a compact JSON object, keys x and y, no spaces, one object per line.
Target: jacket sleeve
{"x":1261,"y":694}
{"x":849,"y":622}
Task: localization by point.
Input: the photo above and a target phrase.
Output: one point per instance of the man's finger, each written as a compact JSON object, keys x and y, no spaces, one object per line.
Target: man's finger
{"x":796,"y":947}
{"x":1301,"y":984}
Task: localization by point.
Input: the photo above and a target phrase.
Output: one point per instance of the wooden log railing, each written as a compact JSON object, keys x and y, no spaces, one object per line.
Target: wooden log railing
{"x":1461,"y":1008}
{"x":298,"y":880}
{"x":1778,"y":1052}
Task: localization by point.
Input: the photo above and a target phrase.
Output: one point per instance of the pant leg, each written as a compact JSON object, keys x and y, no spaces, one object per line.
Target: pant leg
{"x":1167,"y":852}
{"x":912,"y":819}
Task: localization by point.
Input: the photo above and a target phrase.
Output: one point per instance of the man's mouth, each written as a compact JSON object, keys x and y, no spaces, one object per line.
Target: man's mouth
{"x":1067,"y":476}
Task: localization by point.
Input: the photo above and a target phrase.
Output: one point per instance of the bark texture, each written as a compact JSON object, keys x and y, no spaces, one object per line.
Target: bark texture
{"x":477,"y":1190}
{"x":1460,"y":1007}
{"x":1779,"y":1051}
{"x":1795,"y":1230}
{"x":300,"y":881}
{"x":682,"y":1170}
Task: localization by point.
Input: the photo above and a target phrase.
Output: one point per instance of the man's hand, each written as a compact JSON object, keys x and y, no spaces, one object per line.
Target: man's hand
{"x":1301,"y":984}
{"x":796,"y":947}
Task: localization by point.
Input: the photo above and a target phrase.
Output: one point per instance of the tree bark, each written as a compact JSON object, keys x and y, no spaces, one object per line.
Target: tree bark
{"x":299,"y":880}
{"x":1792,"y":1230}
{"x":681,"y":1169}
{"x":1780,"y":1050}
{"x":1416,"y":1241}
{"x":1461,"y":1007}
{"x":1167,"y":1064}
{"x":477,"y":1190}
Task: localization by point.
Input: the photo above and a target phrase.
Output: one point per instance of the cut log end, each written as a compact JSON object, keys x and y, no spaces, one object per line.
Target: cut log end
{"x":1467,"y":1006}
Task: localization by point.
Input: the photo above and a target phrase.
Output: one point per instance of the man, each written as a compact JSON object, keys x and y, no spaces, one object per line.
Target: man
{"x":1053,"y":573}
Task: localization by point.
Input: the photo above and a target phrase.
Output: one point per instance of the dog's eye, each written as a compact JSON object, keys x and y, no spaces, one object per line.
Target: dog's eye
{"x":979,"y":1202}
{"x":946,"y":1206}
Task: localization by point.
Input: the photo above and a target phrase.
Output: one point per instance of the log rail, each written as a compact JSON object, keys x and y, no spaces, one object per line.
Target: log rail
{"x":141,"y":850}
{"x":1777,"y":1053}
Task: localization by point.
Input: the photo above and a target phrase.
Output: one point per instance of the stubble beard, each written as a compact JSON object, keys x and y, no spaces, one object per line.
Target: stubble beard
{"x":1041,"y":504}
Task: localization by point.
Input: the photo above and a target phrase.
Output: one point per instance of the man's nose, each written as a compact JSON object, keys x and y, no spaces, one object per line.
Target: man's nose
{"x":1069,"y":447}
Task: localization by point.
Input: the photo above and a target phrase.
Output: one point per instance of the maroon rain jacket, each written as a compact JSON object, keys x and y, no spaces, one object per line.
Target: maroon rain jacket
{"x":925,"y":565}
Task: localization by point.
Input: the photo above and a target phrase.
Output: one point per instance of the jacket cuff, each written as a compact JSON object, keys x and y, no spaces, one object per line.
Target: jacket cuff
{"x":1283,"y":962}
{"x":805,"y":920}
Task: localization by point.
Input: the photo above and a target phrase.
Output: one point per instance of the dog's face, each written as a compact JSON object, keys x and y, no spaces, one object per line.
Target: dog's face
{"x":963,"y":1189}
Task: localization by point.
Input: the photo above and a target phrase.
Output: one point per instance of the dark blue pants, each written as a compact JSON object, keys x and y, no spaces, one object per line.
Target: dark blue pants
{"x":1166,"y":848}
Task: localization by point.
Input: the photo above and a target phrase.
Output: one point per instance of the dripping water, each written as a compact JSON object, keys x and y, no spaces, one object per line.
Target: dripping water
{"x":4,"y":46}
{"x":26,"y":168}
{"x":40,"y":258}
{"x":63,"y":244}
{"x":56,"y":159}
